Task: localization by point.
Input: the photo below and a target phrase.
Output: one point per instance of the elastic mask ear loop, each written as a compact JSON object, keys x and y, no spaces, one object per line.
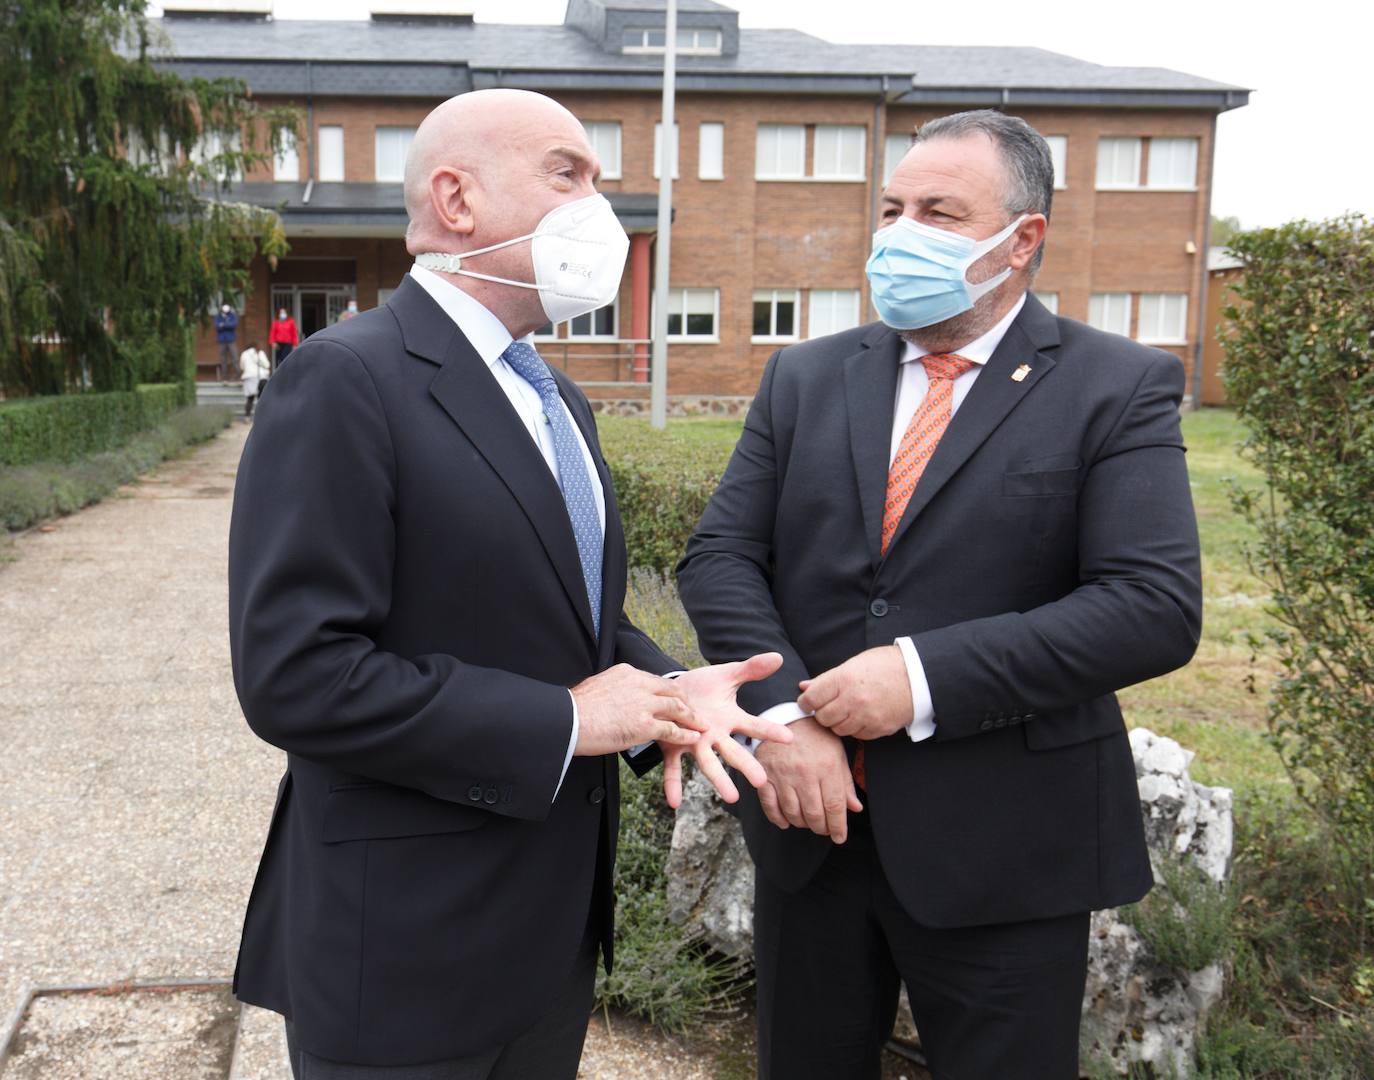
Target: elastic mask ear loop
{"x":982,"y":288}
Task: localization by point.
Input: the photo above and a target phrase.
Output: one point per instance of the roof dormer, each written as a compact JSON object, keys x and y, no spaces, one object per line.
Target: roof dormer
{"x":639,"y":27}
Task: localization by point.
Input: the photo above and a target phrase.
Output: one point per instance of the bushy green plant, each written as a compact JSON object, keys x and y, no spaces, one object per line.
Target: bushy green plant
{"x":1300,"y":370}
{"x":663,"y":480}
{"x":1186,"y":919}
{"x":64,"y":427}
{"x":31,"y":493}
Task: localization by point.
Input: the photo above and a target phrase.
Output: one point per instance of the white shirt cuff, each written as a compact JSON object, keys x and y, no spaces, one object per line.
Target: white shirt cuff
{"x":572,"y":745}
{"x":783,"y":713}
{"x":922,"y":725}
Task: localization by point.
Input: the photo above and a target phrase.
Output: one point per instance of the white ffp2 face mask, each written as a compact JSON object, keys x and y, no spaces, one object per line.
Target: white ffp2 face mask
{"x":578,"y":252}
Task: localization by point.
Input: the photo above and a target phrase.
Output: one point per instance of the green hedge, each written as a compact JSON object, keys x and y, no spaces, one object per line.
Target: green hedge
{"x":663,"y":480}
{"x":64,"y":427}
{"x":31,"y":493}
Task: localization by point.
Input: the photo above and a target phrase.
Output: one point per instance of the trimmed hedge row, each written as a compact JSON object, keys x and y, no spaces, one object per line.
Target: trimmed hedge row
{"x":31,"y":493}
{"x":64,"y":427}
{"x":663,"y":480}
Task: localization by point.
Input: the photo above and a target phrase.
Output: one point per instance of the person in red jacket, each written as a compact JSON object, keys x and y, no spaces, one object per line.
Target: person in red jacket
{"x":284,"y":336}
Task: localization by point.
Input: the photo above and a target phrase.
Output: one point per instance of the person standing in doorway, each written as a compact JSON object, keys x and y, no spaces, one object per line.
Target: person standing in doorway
{"x":284,"y":336}
{"x":226,"y":331}
{"x":348,"y":312}
{"x":254,"y":369}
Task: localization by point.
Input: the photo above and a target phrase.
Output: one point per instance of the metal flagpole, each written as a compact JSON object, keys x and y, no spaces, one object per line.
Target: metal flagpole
{"x":658,"y":387}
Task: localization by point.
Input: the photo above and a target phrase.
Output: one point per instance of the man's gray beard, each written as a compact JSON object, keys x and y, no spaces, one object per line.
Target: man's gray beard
{"x":953,"y":334}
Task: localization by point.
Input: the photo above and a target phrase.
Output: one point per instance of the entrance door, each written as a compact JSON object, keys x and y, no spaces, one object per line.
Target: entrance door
{"x":314,"y":314}
{"x":312,"y":306}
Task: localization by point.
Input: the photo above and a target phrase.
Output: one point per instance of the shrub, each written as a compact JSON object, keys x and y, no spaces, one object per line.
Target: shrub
{"x":1300,"y":370}
{"x":30,"y":493}
{"x":1186,"y":920}
{"x":663,"y":480}
{"x":64,"y":427}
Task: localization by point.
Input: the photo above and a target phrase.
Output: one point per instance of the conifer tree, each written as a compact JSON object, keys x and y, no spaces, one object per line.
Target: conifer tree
{"x":115,"y":233}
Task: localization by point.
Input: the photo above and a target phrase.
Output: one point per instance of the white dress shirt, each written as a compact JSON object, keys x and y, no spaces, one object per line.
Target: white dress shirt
{"x":490,"y":338}
{"x":912,"y":386}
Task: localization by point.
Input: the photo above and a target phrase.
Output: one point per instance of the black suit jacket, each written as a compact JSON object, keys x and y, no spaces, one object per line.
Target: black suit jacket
{"x":1048,"y":557}
{"x":406,"y":612}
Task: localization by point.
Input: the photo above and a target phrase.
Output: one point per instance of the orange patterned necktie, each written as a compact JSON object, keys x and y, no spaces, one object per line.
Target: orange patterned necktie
{"x":921,"y":437}
{"x":913,"y":454}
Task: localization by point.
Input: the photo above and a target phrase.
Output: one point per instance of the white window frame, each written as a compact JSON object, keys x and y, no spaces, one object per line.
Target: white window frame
{"x":388,"y":131}
{"x":841,"y":134}
{"x":604,"y":137}
{"x":614,"y":335}
{"x":712,"y":147}
{"x":286,"y":165}
{"x":680,"y":295}
{"x":895,"y":147}
{"x":210,"y":145}
{"x":331,"y":145}
{"x":691,"y":40}
{"x":1170,"y":146}
{"x":1050,"y":300}
{"x":553,"y":334}
{"x":772,"y":171}
{"x":1151,"y":328}
{"x":1110,"y":302}
{"x":658,"y":147}
{"x":772,"y":297}
{"x":1059,"y":154}
{"x":1116,"y":141}
{"x":832,"y":298}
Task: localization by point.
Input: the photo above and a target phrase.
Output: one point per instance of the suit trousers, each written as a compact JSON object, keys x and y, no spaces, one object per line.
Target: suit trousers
{"x":548,"y":1050}
{"x":990,"y":1002}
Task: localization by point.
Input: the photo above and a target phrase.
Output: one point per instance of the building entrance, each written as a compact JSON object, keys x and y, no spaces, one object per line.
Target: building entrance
{"x":313,"y":306}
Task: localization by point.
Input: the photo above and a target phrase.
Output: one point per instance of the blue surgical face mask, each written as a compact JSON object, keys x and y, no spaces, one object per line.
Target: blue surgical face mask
{"x":916,"y":272}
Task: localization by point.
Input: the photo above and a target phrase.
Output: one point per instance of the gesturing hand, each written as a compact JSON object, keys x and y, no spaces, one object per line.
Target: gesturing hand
{"x":868,"y":696}
{"x":710,"y":692}
{"x":622,"y":707}
{"x":809,"y":783}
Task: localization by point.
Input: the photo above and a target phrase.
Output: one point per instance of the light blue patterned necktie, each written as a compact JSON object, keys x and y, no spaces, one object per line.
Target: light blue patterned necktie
{"x":572,"y":470}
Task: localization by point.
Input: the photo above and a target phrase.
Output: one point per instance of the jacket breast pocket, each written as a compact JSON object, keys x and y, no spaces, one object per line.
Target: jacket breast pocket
{"x":382,"y":811}
{"x":1050,"y":476}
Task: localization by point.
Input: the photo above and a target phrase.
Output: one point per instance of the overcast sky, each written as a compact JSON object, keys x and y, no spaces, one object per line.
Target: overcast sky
{"x":1301,"y":148}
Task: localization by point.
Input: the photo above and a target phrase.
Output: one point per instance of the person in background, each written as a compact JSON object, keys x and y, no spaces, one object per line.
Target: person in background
{"x":348,"y":312}
{"x":284,"y":336}
{"x":226,"y":331}
{"x":254,"y":369}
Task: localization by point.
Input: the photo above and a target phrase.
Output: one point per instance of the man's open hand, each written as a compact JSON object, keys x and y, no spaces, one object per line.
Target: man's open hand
{"x":710,"y":691}
{"x":868,"y":696}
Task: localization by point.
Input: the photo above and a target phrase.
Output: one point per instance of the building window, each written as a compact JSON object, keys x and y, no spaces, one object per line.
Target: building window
{"x":604,"y":136}
{"x":1059,"y":154}
{"x":693,"y":314}
{"x":393,"y":143}
{"x":601,"y":323}
{"x":1163,"y":318}
{"x":780,"y":152}
{"x":839,"y":153}
{"x":691,"y":40}
{"x":1118,"y":163}
{"x":711,"y":152}
{"x":211,"y":145}
{"x":775,"y":314}
{"x":331,"y":154}
{"x":1110,"y":312}
{"x":286,"y":165}
{"x":547,"y":332}
{"x":1050,"y":300}
{"x":832,"y":310}
{"x":383,"y":295}
{"x":1173,"y":164}
{"x":658,"y":149}
{"x":894,"y":149}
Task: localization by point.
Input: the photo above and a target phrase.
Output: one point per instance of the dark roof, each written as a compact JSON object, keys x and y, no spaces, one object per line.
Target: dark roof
{"x":362,"y":58}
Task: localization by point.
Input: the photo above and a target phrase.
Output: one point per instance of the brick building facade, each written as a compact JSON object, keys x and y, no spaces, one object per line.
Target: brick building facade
{"x":784,"y":142}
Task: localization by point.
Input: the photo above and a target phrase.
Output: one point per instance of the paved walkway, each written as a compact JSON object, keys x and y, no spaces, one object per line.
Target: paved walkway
{"x":133,"y":798}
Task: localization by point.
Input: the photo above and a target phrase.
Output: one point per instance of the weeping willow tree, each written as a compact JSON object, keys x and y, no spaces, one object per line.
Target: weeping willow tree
{"x":115,"y":233}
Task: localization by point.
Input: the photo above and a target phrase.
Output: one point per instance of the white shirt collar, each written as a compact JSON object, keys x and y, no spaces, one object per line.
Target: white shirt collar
{"x":484,"y":331}
{"x":979,"y":350}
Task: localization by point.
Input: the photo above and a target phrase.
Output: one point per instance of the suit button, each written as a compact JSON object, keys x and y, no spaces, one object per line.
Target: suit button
{"x":475,"y":793}
{"x":878,"y":607}
{"x":596,"y":795}
{"x":986,"y":725}
{"x":490,"y":796}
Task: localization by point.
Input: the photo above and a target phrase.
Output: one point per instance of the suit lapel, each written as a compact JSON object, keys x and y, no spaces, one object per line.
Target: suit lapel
{"x":994,"y":394}
{"x":469,"y":393}
{"x":870,"y":391}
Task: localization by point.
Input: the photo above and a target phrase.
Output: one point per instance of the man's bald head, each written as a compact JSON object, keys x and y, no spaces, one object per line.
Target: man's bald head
{"x":482,"y":133}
